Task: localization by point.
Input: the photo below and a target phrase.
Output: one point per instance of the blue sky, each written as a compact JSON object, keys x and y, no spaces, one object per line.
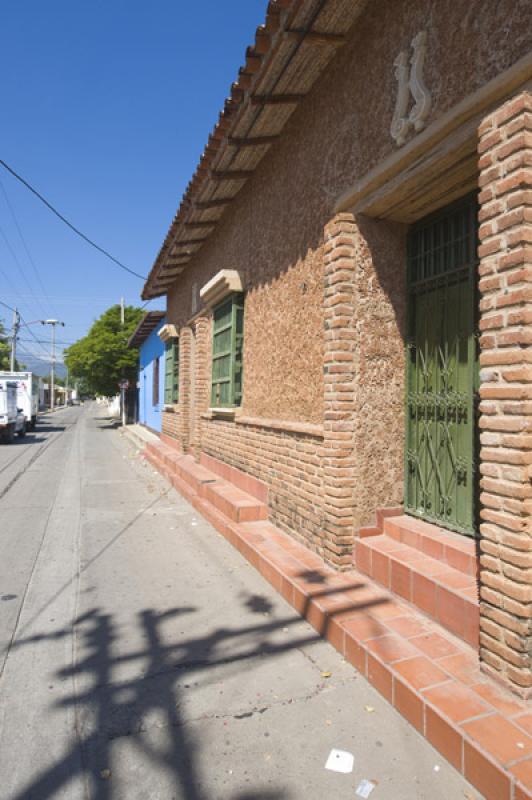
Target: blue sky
{"x":107,"y":106}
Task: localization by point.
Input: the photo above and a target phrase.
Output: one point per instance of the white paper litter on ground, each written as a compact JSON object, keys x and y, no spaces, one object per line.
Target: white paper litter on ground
{"x":364,"y":788}
{"x":340,"y":761}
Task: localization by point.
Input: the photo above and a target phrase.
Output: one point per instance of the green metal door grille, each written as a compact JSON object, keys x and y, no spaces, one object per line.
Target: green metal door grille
{"x":442,"y":369}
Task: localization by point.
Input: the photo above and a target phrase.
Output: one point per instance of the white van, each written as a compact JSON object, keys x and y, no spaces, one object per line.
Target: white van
{"x":12,"y":419}
{"x":27,"y":394}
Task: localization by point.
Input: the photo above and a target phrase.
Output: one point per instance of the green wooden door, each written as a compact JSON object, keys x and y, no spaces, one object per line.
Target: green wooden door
{"x":442,"y":369}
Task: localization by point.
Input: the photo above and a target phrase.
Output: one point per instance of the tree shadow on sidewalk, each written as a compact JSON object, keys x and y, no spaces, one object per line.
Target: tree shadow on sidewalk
{"x":139,"y":694}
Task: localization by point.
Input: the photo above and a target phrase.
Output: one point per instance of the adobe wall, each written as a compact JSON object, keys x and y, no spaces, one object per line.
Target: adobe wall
{"x":273,"y":232}
{"x":379,"y":322}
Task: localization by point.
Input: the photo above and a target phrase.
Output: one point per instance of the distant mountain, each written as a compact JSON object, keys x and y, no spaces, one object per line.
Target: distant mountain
{"x":39,"y":367}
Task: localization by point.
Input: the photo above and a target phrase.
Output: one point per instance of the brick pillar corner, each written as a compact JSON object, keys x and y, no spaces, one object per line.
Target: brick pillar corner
{"x":185,"y":348}
{"x":505,"y":253}
{"x":202,"y":380}
{"x":339,"y":391}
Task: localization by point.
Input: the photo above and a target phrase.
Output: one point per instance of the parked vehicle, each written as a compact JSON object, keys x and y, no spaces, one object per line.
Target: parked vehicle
{"x":27,"y":394}
{"x":12,"y":418}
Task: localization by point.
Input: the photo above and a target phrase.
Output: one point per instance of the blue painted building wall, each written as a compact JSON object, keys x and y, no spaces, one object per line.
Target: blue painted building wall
{"x":150,"y":349}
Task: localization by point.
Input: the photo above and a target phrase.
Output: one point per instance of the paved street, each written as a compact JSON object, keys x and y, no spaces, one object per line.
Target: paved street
{"x":142,"y":657}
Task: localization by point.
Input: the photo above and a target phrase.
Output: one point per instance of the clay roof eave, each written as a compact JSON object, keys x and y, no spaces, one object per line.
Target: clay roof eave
{"x":147,"y":324}
{"x":291,"y":50}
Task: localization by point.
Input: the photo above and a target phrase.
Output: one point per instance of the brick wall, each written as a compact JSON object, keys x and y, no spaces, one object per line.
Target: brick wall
{"x":505,"y":148}
{"x":171,"y":424}
{"x":288,"y":462}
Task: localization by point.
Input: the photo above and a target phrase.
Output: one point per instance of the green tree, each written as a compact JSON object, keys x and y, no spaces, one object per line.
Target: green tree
{"x":5,"y":349}
{"x":102,"y":358}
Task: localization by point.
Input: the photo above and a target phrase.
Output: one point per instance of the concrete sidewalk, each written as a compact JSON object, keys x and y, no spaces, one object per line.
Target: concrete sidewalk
{"x":150,"y":660}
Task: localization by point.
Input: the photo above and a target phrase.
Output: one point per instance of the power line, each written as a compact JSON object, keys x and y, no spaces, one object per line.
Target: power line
{"x":69,"y":224}
{"x":22,"y":351}
{"x":48,"y":341}
{"x":26,"y":248}
{"x":6,"y":306}
{"x":37,"y":341}
{"x":33,"y":335}
{"x":20,"y":269}
{"x":15,"y":290}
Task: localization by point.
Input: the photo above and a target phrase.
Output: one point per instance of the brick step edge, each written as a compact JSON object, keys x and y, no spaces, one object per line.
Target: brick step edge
{"x":490,"y":777}
{"x":452,"y":549}
{"x":448,"y":606}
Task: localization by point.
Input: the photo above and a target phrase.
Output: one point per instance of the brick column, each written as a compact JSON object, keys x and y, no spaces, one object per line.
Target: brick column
{"x":339,"y":390}
{"x":505,"y":147}
{"x":201,"y":378}
{"x":185,"y":346}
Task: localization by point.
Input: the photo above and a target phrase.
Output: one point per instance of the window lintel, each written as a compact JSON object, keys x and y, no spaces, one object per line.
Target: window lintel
{"x":224,"y":283}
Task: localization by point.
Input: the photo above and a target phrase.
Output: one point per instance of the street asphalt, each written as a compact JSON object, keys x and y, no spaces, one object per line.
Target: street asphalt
{"x":141,"y":657}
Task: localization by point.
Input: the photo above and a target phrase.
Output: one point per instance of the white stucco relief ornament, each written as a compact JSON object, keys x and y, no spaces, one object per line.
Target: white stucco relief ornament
{"x":410,"y":83}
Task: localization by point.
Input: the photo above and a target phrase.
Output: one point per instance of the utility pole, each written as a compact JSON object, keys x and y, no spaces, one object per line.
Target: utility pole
{"x":53,"y":323}
{"x":122,"y":389}
{"x":16,"y":326}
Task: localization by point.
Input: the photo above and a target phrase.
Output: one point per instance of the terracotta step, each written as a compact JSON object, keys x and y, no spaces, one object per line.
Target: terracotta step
{"x":233,"y":502}
{"x":237,"y":505}
{"x":191,"y":472}
{"x":452,"y":549}
{"x":445,"y":594}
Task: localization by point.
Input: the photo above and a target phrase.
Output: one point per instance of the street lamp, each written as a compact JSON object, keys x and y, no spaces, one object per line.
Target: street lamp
{"x":53,"y":323}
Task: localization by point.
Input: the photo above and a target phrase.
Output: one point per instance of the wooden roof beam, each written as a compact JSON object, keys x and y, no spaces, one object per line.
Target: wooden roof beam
{"x":183,"y":242}
{"x":217,"y":202}
{"x":170,"y":274}
{"x":174,"y":262}
{"x":166,"y":280}
{"x":231,"y":174}
{"x":275,"y":99}
{"x":316,"y":37}
{"x":252,"y":141}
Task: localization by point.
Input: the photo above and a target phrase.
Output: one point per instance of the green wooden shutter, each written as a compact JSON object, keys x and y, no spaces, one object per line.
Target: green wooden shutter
{"x":228,"y":332}
{"x":175,"y":374}
{"x":168,"y":372}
